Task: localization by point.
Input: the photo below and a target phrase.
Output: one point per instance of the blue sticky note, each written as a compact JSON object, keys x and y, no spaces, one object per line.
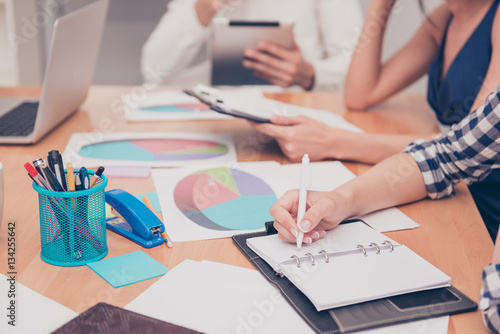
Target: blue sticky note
{"x":153,"y":198}
{"x":128,"y":268}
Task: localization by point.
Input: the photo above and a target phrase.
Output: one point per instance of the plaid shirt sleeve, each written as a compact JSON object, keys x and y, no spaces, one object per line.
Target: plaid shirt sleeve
{"x":490,"y":297}
{"x":466,"y":153}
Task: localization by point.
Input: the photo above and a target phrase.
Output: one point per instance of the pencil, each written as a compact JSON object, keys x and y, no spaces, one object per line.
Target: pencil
{"x":165,"y":236}
{"x":70,"y":177}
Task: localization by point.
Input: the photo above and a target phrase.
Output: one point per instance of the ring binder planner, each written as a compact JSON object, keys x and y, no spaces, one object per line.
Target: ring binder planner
{"x":349,"y":271}
{"x":342,"y":281}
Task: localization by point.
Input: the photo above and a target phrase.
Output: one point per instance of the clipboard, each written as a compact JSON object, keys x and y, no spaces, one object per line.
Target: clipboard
{"x":220,"y":103}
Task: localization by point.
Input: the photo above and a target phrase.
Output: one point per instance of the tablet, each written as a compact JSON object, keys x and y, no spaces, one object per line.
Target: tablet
{"x":229,"y":39}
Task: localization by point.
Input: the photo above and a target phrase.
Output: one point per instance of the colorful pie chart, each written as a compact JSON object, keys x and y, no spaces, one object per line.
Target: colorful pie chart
{"x":186,"y":107}
{"x":156,"y":149}
{"x":225,"y":199}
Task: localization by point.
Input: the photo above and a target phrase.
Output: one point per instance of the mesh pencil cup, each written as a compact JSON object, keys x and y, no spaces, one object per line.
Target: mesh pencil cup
{"x":73,"y":224}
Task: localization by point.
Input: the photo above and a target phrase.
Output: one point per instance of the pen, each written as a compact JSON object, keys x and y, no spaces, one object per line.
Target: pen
{"x":55,"y":162}
{"x":305,"y":184}
{"x":70,"y":177}
{"x":50,"y":177}
{"x":36,"y":164}
{"x":165,"y":236}
{"x":84,"y":178}
{"x":97,"y":176}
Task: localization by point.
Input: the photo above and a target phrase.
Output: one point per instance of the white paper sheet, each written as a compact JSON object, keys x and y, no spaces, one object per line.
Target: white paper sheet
{"x":254,"y":102}
{"x":329,"y":175}
{"x":136,"y":107}
{"x":216,"y":298}
{"x":210,"y":196}
{"x":151,"y":155}
{"x":34,"y":313}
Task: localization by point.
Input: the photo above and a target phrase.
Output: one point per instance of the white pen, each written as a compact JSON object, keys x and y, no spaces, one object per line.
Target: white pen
{"x":305,"y":184}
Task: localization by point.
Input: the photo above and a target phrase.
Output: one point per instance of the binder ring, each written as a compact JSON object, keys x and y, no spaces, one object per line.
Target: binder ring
{"x":363,"y":249}
{"x":388,"y":243}
{"x":327,"y":258}
{"x":297,"y":260}
{"x":313,"y":263}
{"x":376,"y":247}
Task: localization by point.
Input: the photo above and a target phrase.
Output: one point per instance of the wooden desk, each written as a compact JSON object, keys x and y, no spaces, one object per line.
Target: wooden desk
{"x":452,"y":235}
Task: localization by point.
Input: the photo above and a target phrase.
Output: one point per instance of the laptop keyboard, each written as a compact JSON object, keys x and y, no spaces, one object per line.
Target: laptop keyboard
{"x":20,"y":121}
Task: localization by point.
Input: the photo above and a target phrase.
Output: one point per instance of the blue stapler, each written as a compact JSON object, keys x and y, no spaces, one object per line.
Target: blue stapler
{"x":134,"y":219}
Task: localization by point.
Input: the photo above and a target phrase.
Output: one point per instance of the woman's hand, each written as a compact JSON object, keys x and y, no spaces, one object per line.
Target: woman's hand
{"x":325,"y":210}
{"x":299,"y":135}
{"x":280,"y":66}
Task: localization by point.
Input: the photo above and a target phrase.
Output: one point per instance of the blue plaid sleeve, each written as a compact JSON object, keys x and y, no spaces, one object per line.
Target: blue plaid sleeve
{"x":466,"y":153}
{"x":490,"y":297}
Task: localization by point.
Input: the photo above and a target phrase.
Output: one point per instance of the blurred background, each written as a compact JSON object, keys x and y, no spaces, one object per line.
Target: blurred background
{"x":26,"y":28}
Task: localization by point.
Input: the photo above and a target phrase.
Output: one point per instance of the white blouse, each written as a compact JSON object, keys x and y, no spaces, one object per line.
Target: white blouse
{"x":326,"y":31}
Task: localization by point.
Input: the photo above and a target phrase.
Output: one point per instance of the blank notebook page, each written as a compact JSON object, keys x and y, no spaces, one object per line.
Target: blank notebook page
{"x":349,"y":277}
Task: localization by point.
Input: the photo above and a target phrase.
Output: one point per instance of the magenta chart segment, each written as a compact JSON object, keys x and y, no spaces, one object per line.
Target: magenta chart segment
{"x":225,"y":199}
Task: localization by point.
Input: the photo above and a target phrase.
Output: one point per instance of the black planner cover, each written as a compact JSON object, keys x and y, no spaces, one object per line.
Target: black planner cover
{"x":103,"y":318}
{"x":377,"y":313}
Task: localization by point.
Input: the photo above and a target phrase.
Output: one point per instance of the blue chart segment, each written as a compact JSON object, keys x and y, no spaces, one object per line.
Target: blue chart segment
{"x":225,"y":199}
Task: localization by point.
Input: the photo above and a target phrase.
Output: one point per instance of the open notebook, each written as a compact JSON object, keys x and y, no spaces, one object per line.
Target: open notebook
{"x":352,"y":264}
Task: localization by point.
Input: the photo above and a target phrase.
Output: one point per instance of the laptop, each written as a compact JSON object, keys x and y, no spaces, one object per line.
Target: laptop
{"x":68,"y":76}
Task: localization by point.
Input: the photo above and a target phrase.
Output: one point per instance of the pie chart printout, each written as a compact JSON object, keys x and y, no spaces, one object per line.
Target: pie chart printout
{"x":155,"y":149}
{"x":225,"y":199}
{"x":186,"y":107}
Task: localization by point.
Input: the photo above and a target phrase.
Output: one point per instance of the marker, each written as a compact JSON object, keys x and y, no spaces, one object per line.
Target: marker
{"x":97,"y":176}
{"x":55,"y":162}
{"x":305,"y":184}
{"x":70,"y":175}
{"x":165,"y":236}
{"x":84,"y":178}
{"x":33,"y":173}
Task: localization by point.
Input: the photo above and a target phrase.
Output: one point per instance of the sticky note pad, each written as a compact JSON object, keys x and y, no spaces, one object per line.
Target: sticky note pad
{"x":128,"y":268}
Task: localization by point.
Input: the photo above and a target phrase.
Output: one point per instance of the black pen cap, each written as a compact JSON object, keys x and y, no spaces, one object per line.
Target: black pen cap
{"x":99,"y":171}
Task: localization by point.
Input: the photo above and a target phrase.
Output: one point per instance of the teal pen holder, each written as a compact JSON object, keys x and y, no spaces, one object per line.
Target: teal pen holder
{"x":73,"y":224}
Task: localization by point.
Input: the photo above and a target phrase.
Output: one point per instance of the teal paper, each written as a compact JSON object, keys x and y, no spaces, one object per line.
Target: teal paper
{"x":128,"y":268}
{"x":153,"y":198}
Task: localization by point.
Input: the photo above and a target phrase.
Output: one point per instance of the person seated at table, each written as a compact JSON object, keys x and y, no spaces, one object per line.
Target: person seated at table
{"x":458,"y":45}
{"x":176,"y":52}
{"x":469,"y":152}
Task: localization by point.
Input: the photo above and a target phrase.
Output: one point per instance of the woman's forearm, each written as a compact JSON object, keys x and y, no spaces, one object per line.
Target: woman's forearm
{"x":366,"y":65}
{"x":394,"y":181}
{"x":371,"y":148}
